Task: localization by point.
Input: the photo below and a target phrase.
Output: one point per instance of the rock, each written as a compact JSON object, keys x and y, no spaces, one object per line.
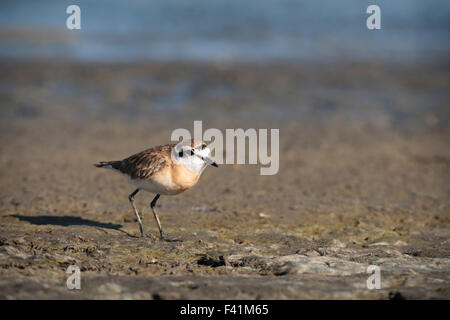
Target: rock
{"x":14,"y":252}
{"x":379,"y":244}
{"x":400,"y":243}
{"x":295,"y":264}
{"x":110,"y":290}
{"x":338,"y":243}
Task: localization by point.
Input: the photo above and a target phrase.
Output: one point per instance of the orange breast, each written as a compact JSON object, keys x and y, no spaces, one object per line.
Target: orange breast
{"x":183,"y":178}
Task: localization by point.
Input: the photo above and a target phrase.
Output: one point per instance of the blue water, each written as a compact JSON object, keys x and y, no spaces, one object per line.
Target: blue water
{"x":236,"y":30}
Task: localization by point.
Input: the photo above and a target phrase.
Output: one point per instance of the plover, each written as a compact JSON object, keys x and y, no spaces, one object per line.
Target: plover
{"x":164,"y":170}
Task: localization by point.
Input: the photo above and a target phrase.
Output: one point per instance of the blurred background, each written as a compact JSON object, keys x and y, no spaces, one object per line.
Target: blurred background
{"x":363,"y":116}
{"x":274,"y":37}
{"x":327,"y":31}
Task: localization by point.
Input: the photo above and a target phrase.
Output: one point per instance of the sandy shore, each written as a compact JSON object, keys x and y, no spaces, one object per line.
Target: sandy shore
{"x":363,"y":180}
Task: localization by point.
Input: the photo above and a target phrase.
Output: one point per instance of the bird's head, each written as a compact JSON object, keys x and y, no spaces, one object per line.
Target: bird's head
{"x":194,"y":155}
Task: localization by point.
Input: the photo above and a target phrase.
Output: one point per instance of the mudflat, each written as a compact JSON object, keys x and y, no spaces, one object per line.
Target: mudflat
{"x":363,"y":180}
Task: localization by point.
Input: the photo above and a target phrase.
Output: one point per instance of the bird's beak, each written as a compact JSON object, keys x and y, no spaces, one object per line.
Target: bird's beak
{"x":208,"y":160}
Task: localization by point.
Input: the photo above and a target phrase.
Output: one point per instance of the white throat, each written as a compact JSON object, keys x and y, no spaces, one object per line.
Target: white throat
{"x":193,"y":163}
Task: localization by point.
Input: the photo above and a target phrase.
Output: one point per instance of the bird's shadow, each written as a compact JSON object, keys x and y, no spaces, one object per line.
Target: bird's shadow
{"x":69,"y":221}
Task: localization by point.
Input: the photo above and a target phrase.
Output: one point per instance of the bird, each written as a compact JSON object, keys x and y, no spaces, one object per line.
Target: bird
{"x":168,"y":169}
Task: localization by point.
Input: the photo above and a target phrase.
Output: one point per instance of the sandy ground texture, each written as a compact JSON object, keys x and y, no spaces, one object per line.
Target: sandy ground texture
{"x":363,"y":180}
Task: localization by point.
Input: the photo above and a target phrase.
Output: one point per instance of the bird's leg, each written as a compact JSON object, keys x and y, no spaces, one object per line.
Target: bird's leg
{"x":161,"y":232}
{"x":131,"y":198}
{"x":152,"y":205}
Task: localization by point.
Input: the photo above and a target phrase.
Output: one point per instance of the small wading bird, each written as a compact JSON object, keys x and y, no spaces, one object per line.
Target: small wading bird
{"x":169,"y":170}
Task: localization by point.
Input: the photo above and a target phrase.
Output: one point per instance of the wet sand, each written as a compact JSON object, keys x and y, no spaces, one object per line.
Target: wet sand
{"x":363,"y":180}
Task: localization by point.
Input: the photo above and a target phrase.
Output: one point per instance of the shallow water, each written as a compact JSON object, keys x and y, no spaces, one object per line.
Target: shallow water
{"x":252,"y":30}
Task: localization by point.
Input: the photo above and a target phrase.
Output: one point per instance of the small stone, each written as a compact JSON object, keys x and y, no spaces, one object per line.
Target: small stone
{"x":338,"y":243}
{"x":110,"y":288}
{"x":379,"y":244}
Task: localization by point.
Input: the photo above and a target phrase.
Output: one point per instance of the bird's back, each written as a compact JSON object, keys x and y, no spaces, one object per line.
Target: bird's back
{"x":142,"y":165}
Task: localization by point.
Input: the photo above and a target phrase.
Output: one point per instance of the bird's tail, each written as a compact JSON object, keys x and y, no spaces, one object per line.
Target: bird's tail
{"x":107,"y":164}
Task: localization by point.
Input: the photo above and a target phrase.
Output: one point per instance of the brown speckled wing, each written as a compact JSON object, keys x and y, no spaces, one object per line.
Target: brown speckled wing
{"x":146,"y":163}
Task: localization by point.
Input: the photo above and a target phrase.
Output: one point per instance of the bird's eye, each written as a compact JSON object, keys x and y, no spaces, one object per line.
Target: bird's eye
{"x":180,"y":154}
{"x":192,"y":152}
{"x":203,"y":146}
